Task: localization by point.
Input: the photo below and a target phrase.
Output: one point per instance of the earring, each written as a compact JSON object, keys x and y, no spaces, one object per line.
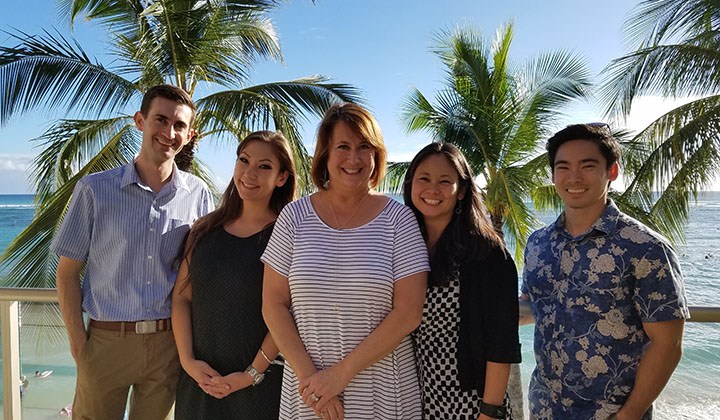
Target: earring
{"x":458,"y":207}
{"x":326,"y":180}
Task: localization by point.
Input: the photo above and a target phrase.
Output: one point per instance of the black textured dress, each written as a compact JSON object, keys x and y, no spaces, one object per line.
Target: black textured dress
{"x":226,"y":275}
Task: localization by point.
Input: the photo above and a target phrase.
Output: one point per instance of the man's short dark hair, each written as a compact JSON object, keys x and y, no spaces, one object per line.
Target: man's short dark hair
{"x":598,"y":133}
{"x":170,"y":92}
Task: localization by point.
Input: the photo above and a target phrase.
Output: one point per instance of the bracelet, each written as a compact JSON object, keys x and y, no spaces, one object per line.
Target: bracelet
{"x":256,"y":376}
{"x":493,"y":411}
{"x":267,"y":359}
{"x":272,"y":362}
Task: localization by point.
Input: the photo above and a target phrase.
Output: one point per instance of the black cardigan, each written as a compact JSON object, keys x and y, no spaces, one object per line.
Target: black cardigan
{"x":488,"y":317}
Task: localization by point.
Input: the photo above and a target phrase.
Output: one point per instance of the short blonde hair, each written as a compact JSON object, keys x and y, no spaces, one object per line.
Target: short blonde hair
{"x":360,"y":122}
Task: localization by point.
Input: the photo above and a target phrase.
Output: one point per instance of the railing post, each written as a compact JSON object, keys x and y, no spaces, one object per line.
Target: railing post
{"x":10,"y":331}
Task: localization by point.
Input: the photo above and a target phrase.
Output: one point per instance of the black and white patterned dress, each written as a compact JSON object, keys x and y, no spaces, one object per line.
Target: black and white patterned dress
{"x":436,"y":342}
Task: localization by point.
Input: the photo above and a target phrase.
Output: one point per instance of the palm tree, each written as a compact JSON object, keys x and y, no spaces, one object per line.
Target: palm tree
{"x":183,"y":42}
{"x":677,"y":54}
{"x":496,"y":117}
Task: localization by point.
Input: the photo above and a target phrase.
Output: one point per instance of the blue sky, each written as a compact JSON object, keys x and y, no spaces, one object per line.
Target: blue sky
{"x":380,"y":46}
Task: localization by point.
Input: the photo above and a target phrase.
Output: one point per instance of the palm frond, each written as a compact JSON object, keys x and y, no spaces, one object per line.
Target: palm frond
{"x":505,"y":198}
{"x":672,"y":159}
{"x":287,"y":124}
{"x":660,"y":150}
{"x":111,"y":13}
{"x":70,"y":144}
{"x":204,"y":41}
{"x":668,"y":70}
{"x":275,"y":106}
{"x":545,"y":198}
{"x":43,"y":325}
{"x":51,"y":71}
{"x":496,"y":116}
{"x":553,"y":81}
{"x":393,"y":182}
{"x":254,"y":104}
{"x":202,"y":171}
{"x":655,"y":21}
{"x":28,"y":256}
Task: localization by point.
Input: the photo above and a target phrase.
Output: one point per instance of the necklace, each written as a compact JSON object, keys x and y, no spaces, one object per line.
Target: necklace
{"x":349,"y":219}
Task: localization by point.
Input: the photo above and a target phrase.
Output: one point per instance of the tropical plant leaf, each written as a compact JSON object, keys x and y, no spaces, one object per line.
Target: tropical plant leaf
{"x":51,"y":71}
{"x":393,"y":182}
{"x":70,"y":144}
{"x":676,"y":53}
{"x":497,"y":114}
{"x":28,"y":256}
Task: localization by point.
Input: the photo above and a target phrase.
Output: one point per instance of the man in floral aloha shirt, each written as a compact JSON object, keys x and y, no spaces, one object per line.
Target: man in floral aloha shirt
{"x":606,"y":293}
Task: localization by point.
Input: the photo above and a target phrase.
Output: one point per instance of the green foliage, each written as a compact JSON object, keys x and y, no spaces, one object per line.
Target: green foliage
{"x":678,"y":154}
{"x":497,"y":114}
{"x":183,"y":42}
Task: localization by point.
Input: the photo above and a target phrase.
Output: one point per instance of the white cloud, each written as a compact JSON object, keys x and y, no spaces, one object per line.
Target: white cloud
{"x":14,"y":170}
{"x":15,"y":163}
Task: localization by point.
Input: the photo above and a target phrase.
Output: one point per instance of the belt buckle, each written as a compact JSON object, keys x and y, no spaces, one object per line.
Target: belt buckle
{"x":145,"y":327}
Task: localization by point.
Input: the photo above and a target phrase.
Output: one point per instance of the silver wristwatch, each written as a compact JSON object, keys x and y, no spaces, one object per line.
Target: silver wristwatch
{"x":257,"y":377}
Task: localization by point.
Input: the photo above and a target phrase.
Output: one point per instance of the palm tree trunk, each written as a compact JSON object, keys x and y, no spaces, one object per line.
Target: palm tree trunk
{"x":185,"y":157}
{"x":514,"y":388}
{"x":497,"y":222}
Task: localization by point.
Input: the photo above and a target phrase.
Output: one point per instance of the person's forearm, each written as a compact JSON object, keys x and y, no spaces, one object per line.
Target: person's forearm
{"x":496,"y":380}
{"x":398,"y":324}
{"x":70,"y":300}
{"x":656,"y":366}
{"x":285,"y":335}
{"x":268,"y":349}
{"x":182,"y":327}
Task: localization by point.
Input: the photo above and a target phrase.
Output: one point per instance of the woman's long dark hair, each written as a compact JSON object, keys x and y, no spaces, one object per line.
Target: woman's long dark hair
{"x":231,"y":204}
{"x":469,"y":233}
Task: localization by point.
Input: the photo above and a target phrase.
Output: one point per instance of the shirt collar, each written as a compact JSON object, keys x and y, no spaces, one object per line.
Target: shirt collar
{"x":130,"y":176}
{"x":606,"y":223}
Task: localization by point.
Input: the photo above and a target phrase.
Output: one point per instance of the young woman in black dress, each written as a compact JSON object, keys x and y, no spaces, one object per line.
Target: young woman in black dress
{"x":226,"y":352}
{"x":468,"y":336}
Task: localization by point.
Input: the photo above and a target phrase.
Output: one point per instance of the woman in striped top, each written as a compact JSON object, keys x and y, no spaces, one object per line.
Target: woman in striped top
{"x":345,"y":279}
{"x":469,"y":332}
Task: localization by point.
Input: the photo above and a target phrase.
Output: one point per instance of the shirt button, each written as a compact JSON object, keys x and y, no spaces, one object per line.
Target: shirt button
{"x":148,"y":282}
{"x":154,"y":202}
{"x":152,"y":229}
{"x":149,"y":257}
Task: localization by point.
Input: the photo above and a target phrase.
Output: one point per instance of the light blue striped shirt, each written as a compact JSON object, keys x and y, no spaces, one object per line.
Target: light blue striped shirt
{"x":129,"y":237}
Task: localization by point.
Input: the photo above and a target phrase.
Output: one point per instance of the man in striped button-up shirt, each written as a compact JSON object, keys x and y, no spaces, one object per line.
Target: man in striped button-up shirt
{"x":127,"y":225}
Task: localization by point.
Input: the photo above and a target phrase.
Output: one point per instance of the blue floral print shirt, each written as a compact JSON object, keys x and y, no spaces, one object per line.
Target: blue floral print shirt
{"x":590,"y":295}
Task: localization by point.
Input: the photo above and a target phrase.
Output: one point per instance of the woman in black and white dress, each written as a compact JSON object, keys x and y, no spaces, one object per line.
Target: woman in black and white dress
{"x":468,"y":336}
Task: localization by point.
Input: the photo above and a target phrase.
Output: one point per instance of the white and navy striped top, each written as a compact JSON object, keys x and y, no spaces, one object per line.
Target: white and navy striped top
{"x":130,"y":237}
{"x":341,"y":287}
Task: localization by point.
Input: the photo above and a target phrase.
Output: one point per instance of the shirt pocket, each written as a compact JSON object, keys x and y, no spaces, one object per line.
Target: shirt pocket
{"x":173,"y":237}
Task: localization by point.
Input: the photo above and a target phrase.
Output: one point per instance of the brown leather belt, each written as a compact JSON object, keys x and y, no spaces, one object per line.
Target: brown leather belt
{"x":138,"y":327}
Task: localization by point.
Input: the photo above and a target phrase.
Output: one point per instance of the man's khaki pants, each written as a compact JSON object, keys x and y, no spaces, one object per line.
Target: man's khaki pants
{"x":113,"y":362}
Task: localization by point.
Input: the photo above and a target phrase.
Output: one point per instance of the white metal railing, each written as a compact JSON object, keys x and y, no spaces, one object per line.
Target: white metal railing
{"x":10,"y":329}
{"x":10,"y":333}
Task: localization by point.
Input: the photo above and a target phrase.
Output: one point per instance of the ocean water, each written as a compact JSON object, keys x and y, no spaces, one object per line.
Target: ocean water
{"x":692,"y":393}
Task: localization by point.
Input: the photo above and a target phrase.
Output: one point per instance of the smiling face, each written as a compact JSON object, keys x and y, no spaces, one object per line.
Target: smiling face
{"x":582,"y":177}
{"x":165,"y":129}
{"x":436,"y":189}
{"x":258,"y":172}
{"x":351,"y":159}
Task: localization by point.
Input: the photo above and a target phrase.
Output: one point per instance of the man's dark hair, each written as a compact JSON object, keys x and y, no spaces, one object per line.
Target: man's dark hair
{"x":170,"y":92}
{"x":598,"y":133}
